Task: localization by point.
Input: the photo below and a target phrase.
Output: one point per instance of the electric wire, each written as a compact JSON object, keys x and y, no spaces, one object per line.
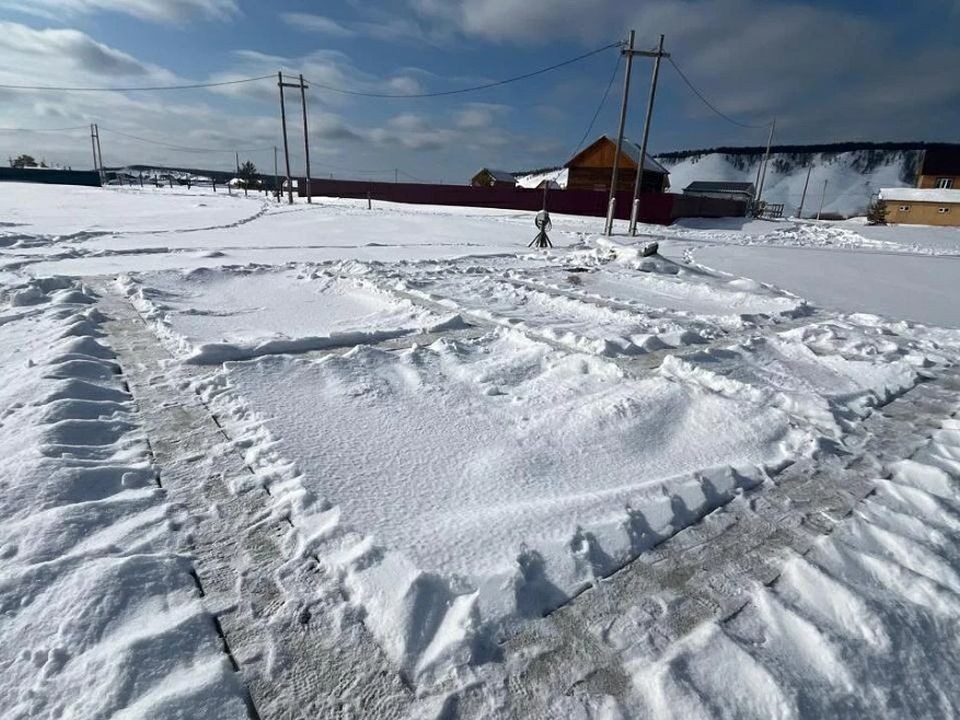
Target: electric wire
{"x":460,"y":91}
{"x":710,"y":104}
{"x":43,"y":130}
{"x":145,"y":88}
{"x":596,"y":113}
{"x":183,"y":148}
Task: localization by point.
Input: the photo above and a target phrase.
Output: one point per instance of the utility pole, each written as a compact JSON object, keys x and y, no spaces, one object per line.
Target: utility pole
{"x":238,"y":162}
{"x":103,"y":175}
{"x":823,"y":195}
{"x":276,"y":175}
{"x":766,"y":159}
{"x":286,"y":149}
{"x":612,"y":202}
{"x":93,"y":144}
{"x":803,"y":197}
{"x":306,"y":135}
{"x":396,"y":176}
{"x":635,"y":211}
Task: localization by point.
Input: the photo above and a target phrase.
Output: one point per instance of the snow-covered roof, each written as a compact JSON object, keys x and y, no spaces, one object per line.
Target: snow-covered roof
{"x":719,"y":186}
{"x":932,"y":195}
{"x":499,"y":175}
{"x":628,"y":148}
{"x":632,"y":150}
{"x":535,"y":179}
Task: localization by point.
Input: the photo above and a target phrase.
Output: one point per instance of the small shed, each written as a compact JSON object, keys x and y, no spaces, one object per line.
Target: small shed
{"x":493,"y":178}
{"x":592,"y":168}
{"x":744,"y":191}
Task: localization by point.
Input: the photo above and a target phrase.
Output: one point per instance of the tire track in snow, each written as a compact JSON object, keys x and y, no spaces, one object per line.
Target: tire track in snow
{"x":91,"y":520}
{"x":708,"y":571}
{"x":635,"y":365}
{"x":280,"y":612}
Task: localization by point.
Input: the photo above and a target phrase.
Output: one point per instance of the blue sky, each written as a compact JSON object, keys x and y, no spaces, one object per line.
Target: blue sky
{"x":828,"y":71}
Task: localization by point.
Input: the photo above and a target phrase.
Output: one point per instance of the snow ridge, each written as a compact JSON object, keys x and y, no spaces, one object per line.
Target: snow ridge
{"x":100,"y":614}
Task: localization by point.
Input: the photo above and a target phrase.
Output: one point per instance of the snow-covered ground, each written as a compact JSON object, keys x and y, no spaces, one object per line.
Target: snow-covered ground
{"x":462,"y":435}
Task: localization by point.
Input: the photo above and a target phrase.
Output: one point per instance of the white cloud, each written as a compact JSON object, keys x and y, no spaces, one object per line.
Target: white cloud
{"x":164,"y":11}
{"x":31,"y":56}
{"x":824,"y":72}
{"x":478,"y":116}
{"x":404,"y":85}
{"x":316,"y":23}
{"x":224,"y":118}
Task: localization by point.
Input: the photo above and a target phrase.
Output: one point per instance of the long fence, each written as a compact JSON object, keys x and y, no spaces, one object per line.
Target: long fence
{"x":50,"y":176}
{"x":658,"y":208}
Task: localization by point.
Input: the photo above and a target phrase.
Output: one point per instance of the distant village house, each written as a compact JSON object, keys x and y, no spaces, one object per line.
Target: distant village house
{"x":940,"y":169}
{"x":493,"y":178}
{"x":936,"y":198}
{"x":592,"y":168}
{"x":919,"y":206}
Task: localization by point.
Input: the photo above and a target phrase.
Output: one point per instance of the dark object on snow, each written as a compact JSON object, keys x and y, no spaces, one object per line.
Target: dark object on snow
{"x":744,"y":191}
{"x":877,"y":213}
{"x":650,"y":249}
{"x":543,"y":224}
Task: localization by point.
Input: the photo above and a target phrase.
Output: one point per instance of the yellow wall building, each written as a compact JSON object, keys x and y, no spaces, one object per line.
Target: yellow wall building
{"x":922,"y":206}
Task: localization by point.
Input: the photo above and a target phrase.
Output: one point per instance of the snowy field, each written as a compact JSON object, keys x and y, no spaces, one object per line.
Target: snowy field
{"x":458,"y":437}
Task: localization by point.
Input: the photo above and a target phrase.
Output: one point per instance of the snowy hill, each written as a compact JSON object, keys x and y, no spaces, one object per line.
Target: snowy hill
{"x":853,"y":173}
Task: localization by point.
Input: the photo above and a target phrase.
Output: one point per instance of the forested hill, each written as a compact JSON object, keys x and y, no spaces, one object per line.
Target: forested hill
{"x":853,"y":171}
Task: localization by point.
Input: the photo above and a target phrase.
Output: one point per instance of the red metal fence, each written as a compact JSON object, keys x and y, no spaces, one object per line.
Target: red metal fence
{"x":659,"y":208}
{"x":50,"y":177}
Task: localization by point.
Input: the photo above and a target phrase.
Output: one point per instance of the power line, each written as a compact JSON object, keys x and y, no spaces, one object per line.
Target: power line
{"x":473,"y":88}
{"x":182,"y":148}
{"x":413,"y":177}
{"x":43,"y":130}
{"x":710,"y":104}
{"x":603,"y":100}
{"x":145,"y":88}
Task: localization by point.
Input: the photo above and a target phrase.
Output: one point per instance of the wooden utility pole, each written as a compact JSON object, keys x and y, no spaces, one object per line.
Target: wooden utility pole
{"x":823,"y":194}
{"x":306,"y":135}
{"x":766,"y":159}
{"x":637,"y":183}
{"x":803,"y":197}
{"x":612,"y":201}
{"x":286,"y":149}
{"x":396,"y":176}
{"x":276,"y":175}
{"x":238,"y":162}
{"x":103,"y":175}
{"x":93,"y":144}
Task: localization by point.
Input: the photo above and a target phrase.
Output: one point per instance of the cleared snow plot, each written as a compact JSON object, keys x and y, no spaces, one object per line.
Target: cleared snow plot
{"x":470,"y":482}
